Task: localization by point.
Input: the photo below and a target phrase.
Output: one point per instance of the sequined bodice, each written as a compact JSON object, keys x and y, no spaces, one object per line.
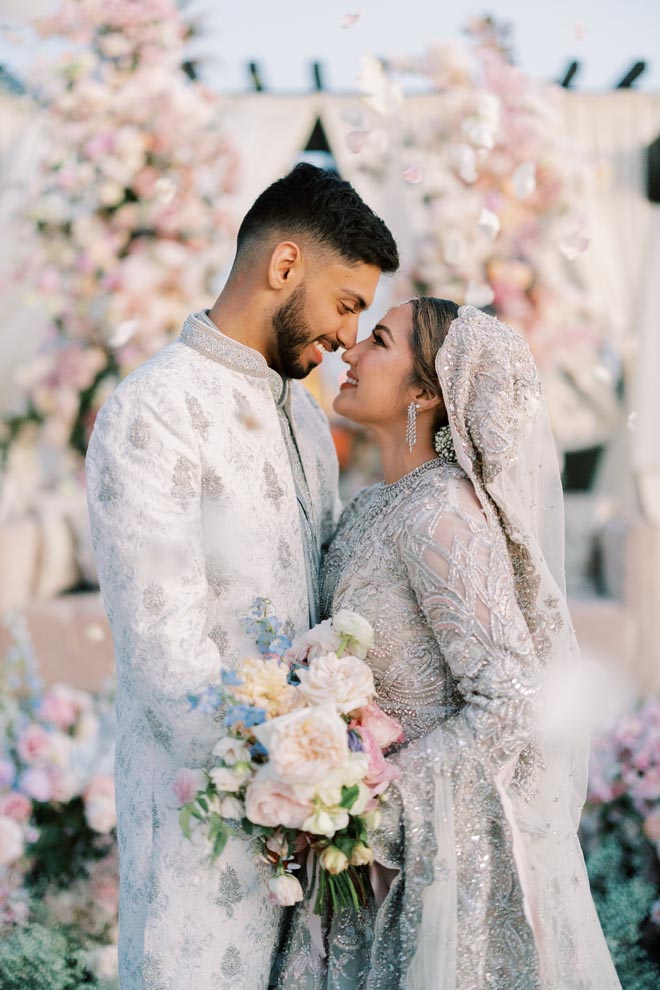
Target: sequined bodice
{"x":365,"y":572}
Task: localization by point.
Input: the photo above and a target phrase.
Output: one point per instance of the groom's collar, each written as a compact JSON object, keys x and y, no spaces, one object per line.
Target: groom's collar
{"x":202,"y":335}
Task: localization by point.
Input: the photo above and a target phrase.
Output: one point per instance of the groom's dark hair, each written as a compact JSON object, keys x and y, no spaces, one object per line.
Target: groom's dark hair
{"x":311,"y":201}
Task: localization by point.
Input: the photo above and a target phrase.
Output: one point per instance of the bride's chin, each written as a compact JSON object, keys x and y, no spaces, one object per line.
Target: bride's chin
{"x":343,"y":408}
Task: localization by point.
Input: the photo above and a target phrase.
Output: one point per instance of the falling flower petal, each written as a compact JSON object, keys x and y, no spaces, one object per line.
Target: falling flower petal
{"x":413,"y":174}
{"x":631,"y":422}
{"x":575,"y":244}
{"x":479,"y":294}
{"x":356,"y":140}
{"x":489,"y":223}
{"x":603,"y":374}
{"x":348,"y":20}
{"x":122,"y":333}
{"x":524,"y":180}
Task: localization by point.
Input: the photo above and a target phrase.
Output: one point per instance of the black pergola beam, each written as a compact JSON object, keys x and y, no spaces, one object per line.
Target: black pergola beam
{"x":631,"y":76}
{"x":571,"y":71}
{"x":317,"y":72}
{"x":255,"y":77}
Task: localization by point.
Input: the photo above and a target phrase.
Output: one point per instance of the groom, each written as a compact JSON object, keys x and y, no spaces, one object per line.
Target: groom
{"x":212,"y":480}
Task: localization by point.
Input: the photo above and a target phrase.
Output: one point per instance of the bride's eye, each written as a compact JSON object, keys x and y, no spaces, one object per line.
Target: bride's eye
{"x":377,"y":338}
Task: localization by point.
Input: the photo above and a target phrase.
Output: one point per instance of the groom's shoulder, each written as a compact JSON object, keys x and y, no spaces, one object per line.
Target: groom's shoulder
{"x":308,"y":403}
{"x":158,"y":375}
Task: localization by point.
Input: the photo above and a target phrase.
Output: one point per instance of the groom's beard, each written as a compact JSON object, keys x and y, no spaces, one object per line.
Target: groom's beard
{"x":292,"y":335}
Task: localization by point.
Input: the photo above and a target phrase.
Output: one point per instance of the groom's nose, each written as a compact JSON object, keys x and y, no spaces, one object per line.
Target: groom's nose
{"x":347,"y":335}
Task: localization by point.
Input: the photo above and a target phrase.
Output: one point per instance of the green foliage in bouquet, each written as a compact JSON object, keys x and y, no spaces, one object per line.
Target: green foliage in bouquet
{"x":40,"y":958}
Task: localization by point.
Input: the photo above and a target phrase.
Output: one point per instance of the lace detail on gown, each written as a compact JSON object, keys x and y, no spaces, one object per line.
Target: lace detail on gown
{"x":454,"y":662}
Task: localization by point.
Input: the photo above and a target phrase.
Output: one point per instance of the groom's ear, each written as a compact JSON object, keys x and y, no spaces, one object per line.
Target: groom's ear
{"x":285,"y":265}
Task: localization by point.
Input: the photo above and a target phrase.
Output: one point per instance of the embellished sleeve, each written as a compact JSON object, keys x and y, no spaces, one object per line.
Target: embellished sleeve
{"x":144,"y":494}
{"x":462,"y":579}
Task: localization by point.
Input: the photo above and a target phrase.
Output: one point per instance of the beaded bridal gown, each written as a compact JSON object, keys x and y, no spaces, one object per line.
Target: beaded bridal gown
{"x":490,"y":890}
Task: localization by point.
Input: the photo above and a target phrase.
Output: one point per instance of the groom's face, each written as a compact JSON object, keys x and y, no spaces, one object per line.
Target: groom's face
{"x":320,"y":315}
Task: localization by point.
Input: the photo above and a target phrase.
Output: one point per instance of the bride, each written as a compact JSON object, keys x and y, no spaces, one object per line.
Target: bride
{"x":456,"y":559}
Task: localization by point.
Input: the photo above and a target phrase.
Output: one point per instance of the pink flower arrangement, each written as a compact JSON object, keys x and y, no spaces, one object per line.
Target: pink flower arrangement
{"x":494,"y":189}
{"x":625,"y":764}
{"x":130,"y":224}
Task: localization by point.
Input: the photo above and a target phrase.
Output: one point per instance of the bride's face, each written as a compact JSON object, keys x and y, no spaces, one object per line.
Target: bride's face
{"x":378,"y":389}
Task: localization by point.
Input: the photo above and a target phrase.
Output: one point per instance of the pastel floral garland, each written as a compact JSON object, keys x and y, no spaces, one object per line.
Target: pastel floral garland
{"x":130,"y":224}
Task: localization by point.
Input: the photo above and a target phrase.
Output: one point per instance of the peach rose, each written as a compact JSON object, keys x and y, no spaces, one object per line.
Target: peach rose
{"x":264,"y":684}
{"x":271,"y":802}
{"x":347,"y":680}
{"x":306,"y":745}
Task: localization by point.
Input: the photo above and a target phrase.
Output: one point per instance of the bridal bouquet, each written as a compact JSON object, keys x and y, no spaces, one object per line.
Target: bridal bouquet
{"x":301,"y":763}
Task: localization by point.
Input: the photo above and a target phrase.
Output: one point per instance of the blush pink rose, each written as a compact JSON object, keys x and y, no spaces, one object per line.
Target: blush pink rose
{"x":59,"y":707}
{"x":34,"y":744}
{"x":11,"y":841}
{"x":16,"y":805}
{"x":271,"y":802}
{"x":380,"y":773}
{"x":36,"y":783}
{"x":382,"y":727}
{"x":186,"y":784}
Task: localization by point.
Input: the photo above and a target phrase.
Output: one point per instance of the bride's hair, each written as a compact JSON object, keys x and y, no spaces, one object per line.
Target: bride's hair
{"x":431,"y":319}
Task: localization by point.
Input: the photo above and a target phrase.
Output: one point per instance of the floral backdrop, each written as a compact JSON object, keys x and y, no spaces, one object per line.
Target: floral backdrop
{"x":132,"y":220}
{"x":494,"y":198}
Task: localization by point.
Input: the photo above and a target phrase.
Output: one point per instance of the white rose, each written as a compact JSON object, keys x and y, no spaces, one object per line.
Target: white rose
{"x":372,"y":818}
{"x":230,"y":779}
{"x":99,"y":800}
{"x":322,"y":639}
{"x":11,"y":841}
{"x":231,"y":751}
{"x":348,"y":681}
{"x":305,"y":745}
{"x":356,"y":629}
{"x":231,"y":807}
{"x":326,"y":821}
{"x":334,"y":860}
{"x":285,"y":890}
{"x":361,"y":855}
{"x":353,"y":771}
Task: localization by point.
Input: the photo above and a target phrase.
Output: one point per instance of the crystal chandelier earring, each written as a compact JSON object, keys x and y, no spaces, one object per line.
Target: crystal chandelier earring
{"x":411,"y":428}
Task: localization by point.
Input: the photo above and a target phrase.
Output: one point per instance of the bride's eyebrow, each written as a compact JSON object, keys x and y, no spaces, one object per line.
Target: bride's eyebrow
{"x":381,"y":326}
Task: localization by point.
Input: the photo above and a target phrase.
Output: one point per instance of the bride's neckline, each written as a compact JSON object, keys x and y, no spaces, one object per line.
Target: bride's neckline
{"x":405,"y":479}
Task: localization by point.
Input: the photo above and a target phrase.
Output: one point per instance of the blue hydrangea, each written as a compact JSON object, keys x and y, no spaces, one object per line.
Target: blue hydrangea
{"x":248,"y":715}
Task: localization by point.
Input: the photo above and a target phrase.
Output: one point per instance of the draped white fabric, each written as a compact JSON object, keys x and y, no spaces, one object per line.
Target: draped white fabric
{"x":616,"y":129}
{"x":268,"y":132}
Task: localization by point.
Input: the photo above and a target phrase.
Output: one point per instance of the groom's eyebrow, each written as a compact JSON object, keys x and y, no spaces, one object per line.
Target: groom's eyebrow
{"x":361,"y":304}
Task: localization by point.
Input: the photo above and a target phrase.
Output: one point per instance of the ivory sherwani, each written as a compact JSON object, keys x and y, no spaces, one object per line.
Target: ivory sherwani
{"x":210,"y":482}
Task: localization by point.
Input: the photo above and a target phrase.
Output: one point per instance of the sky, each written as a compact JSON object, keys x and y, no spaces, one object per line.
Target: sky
{"x":607,"y":36}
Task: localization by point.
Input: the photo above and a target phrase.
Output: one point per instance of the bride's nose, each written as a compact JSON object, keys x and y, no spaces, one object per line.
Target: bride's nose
{"x":349,"y":356}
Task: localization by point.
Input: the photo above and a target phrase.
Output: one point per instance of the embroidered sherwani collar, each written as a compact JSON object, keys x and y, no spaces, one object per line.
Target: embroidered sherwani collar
{"x":202,"y":335}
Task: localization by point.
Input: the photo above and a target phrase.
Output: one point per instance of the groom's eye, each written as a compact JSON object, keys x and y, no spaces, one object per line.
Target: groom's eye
{"x":347,"y":309}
